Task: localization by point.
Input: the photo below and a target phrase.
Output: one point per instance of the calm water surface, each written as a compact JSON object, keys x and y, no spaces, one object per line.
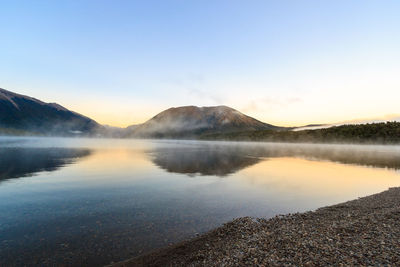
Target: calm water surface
{"x":93,"y":202}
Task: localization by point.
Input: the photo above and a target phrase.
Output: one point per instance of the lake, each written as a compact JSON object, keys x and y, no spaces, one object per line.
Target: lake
{"x":97,"y":201}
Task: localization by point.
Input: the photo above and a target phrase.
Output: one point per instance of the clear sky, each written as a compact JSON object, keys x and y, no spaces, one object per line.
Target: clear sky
{"x":283,"y":62}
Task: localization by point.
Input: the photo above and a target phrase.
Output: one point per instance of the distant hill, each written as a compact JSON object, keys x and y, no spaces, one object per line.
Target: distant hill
{"x":21,"y":114}
{"x":190,"y":121}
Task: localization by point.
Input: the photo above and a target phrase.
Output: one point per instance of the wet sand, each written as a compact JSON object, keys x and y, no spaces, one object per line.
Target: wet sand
{"x":365,"y":232}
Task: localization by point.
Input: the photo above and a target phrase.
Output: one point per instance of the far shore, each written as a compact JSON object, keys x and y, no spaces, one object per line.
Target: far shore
{"x":361,"y":232}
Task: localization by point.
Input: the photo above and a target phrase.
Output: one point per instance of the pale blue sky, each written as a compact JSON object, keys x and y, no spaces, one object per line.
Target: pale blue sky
{"x":283,"y":62}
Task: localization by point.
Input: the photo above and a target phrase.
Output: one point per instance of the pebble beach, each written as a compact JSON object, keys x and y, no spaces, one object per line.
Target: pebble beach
{"x":361,"y":232}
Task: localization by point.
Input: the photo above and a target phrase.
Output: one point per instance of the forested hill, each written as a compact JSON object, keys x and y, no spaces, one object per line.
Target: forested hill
{"x":382,"y":133}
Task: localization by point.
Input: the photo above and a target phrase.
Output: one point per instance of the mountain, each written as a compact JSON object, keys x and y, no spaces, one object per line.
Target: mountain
{"x":189,"y":121}
{"x":24,"y":114}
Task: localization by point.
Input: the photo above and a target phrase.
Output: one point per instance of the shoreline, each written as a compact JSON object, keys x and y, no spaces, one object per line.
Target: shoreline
{"x":364,"y":231}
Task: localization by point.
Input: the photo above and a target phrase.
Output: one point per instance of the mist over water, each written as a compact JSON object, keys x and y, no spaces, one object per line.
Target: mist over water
{"x":94,"y":201}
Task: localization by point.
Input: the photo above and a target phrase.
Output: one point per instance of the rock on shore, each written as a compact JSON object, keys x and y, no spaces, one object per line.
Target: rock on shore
{"x":362,"y":232}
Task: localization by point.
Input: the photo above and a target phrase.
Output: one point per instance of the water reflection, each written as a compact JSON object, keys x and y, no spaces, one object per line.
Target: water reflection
{"x":221,"y":159}
{"x":204,"y":160}
{"x":22,"y":162}
{"x":373,"y":156}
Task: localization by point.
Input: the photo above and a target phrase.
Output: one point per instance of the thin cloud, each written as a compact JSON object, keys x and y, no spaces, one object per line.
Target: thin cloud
{"x":270,"y":103}
{"x":204,"y":95}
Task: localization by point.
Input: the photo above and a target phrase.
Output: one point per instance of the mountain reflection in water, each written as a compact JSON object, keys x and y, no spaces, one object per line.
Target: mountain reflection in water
{"x":221,"y":159}
{"x":22,"y":162}
{"x":203,"y":161}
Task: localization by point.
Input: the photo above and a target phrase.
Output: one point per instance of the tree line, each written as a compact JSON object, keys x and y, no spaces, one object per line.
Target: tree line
{"x":383,"y":133}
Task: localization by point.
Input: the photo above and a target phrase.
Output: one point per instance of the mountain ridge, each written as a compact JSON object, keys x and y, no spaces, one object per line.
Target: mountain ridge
{"x":24,"y":113}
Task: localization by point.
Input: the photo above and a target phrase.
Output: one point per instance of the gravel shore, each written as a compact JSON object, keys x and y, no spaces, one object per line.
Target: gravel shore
{"x":362,"y":232}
